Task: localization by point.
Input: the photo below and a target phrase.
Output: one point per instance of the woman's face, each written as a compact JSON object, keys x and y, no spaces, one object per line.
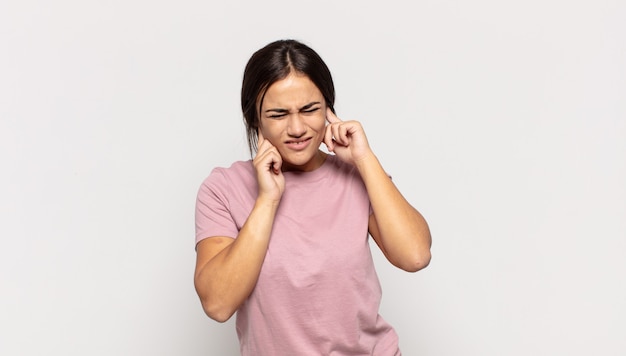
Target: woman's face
{"x":293,"y":119}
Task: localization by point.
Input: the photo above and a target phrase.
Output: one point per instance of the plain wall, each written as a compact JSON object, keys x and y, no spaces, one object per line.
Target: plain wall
{"x":504,"y":123}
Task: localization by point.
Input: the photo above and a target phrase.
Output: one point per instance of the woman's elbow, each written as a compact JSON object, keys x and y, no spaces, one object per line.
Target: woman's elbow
{"x":416,"y":262}
{"x":219,"y":313}
{"x":213,"y":306}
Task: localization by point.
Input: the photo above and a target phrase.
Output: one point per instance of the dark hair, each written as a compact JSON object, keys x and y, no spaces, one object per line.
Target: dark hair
{"x":272,"y":63}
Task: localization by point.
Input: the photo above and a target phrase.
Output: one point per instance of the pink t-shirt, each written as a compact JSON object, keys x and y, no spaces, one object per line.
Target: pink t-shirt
{"x":318,"y":292}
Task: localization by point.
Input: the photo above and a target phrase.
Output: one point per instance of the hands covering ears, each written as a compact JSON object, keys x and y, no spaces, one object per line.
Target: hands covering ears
{"x":346,"y":139}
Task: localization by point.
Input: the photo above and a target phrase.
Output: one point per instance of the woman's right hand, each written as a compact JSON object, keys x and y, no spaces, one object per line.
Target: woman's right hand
{"x":268,"y":163}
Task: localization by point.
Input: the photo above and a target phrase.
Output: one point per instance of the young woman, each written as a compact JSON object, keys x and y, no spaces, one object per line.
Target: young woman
{"x":283,"y":239}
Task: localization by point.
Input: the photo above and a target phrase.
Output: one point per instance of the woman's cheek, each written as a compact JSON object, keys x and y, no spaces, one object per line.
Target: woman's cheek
{"x":318,"y":123}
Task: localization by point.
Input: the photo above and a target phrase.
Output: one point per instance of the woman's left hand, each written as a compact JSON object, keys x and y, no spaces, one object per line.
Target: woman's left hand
{"x":346,"y":139}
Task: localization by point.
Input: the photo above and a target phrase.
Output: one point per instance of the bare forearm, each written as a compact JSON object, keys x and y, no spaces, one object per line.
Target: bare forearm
{"x":227,"y":279}
{"x":404,"y":235}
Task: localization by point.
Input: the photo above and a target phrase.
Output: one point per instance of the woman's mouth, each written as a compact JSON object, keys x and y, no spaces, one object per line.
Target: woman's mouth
{"x":299,"y":144}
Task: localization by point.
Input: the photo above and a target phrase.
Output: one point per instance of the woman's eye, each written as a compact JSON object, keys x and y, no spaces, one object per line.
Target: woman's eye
{"x":311,"y":110}
{"x":276,"y":116}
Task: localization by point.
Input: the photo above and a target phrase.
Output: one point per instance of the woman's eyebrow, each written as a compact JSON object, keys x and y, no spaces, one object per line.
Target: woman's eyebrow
{"x":309,"y":105}
{"x":277,"y":110}
{"x":283,"y":111}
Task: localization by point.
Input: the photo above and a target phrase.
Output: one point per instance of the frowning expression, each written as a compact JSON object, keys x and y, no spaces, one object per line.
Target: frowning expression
{"x":293,"y":119}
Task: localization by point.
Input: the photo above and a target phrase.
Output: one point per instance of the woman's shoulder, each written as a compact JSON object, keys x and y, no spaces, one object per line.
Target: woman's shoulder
{"x":238,"y":167}
{"x":339,"y":166}
{"x":344,"y":168}
{"x":237,"y":172}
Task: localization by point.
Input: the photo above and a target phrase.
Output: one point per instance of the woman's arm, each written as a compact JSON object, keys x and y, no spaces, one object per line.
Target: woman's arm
{"x":227,"y":269}
{"x":399,"y":229}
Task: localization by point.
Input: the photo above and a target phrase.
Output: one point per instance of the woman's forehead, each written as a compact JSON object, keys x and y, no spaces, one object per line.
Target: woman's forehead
{"x":295,"y":90}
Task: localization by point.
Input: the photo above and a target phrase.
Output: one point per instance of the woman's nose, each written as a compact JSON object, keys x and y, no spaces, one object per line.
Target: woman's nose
{"x":295,"y":126}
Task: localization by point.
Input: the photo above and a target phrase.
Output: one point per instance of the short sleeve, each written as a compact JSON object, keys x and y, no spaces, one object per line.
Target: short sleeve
{"x":213,"y":215}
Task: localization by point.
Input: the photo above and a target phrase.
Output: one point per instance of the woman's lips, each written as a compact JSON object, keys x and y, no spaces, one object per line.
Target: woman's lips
{"x":298,"y":145}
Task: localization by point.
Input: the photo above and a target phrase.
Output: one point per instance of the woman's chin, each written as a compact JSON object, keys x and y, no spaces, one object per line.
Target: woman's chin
{"x":303,"y":163}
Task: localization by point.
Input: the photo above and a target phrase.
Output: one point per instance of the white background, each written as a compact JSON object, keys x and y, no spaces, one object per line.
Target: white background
{"x":503,"y":122}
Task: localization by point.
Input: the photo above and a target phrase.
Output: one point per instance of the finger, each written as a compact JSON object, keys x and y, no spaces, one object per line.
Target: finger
{"x":277,"y":163}
{"x":331,"y":117}
{"x":268,"y":153}
{"x":328,"y":138}
{"x":273,"y":160}
{"x":263,"y":144}
{"x":260,"y":139}
{"x":268,"y":158}
{"x":340,"y":134}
